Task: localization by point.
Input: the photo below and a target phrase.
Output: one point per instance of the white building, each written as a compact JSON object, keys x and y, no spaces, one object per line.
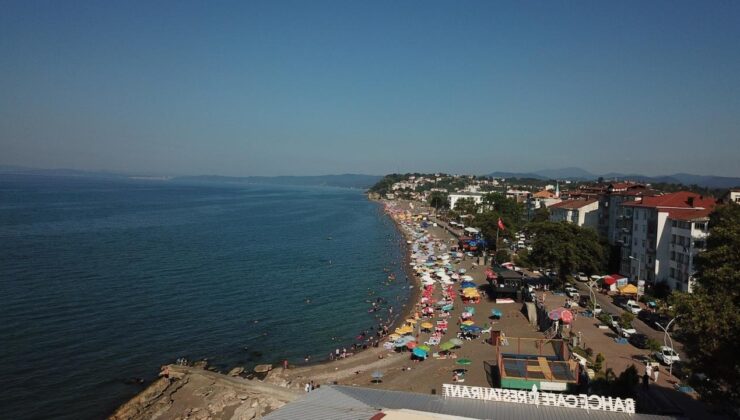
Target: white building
{"x":584,"y":213}
{"x":454,"y":197}
{"x":668,"y":231}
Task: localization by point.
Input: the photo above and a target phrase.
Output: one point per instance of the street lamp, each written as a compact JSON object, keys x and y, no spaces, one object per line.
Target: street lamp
{"x":668,"y":335}
{"x":638,"y":275}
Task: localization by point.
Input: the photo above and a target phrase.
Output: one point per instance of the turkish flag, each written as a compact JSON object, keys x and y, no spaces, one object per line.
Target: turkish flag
{"x":501,"y":224}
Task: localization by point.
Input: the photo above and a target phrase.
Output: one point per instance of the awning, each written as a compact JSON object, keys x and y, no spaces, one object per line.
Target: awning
{"x":629,"y":289}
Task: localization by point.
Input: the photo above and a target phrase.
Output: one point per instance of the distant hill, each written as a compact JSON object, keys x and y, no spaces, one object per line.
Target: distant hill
{"x":343,"y":180}
{"x":578,"y":174}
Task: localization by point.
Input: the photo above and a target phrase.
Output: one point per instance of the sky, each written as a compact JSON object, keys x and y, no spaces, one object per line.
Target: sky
{"x":326,"y":87}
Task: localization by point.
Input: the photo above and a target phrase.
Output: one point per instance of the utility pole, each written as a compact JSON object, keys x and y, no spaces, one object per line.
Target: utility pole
{"x":666,"y":334}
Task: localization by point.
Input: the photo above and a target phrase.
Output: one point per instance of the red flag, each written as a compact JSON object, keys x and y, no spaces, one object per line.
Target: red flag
{"x":501,"y":224}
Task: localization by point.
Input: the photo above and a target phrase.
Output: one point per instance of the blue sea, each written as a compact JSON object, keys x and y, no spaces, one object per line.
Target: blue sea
{"x":103,"y":281}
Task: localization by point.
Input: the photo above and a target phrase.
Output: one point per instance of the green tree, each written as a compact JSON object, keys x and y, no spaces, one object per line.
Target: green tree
{"x":466,"y":206}
{"x":709,"y":318}
{"x":508,"y":209}
{"x":566,"y":247}
{"x":542,"y":214}
{"x":625,"y":320}
{"x":438,"y":200}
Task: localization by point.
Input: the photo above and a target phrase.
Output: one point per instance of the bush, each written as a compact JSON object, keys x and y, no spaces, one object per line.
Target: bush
{"x":625,"y":321}
{"x":653,"y":345}
{"x":605,"y":319}
{"x":589,"y":352}
{"x":599,"y":362}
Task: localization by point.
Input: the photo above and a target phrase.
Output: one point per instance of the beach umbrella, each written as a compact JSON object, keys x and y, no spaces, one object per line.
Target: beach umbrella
{"x":424,"y":347}
{"x":394,"y":337}
{"x":456,"y":341}
{"x":447,"y":308}
{"x":464,"y":362}
{"x":468,"y":322}
{"x":427,"y":325}
{"x":496,"y":313}
{"x":467,"y":278}
{"x":461,"y":271}
{"x":411,"y":344}
{"x":419,"y":353}
{"x":470,"y":310}
{"x":411,"y":320}
{"x":447,"y":345}
{"x":399,"y":344}
{"x":566,"y":317}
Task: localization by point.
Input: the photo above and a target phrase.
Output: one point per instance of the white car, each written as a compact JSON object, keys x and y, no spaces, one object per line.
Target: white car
{"x":633,"y":307}
{"x":571,"y":292}
{"x":582,"y":277}
{"x":667,"y":355}
{"x":625,"y":332}
{"x":596,"y":309}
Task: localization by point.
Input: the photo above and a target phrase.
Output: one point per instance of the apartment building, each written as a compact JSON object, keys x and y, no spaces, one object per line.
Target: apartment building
{"x":667,"y":232}
{"x":583,"y":213}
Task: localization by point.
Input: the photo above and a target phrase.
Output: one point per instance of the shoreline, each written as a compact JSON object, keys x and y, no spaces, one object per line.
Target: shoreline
{"x":160,"y":394}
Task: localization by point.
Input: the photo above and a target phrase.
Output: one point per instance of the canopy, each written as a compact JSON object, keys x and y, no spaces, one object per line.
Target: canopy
{"x":447,"y":345}
{"x":629,"y":289}
{"x":561,"y":314}
{"x":464,"y":361}
{"x":609,"y":280}
{"x":468,"y":322}
{"x":420,"y":353}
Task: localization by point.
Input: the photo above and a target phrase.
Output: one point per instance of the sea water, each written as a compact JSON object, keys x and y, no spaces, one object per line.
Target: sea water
{"x":103,"y":281}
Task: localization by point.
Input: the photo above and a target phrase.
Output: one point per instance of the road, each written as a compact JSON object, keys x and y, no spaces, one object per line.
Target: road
{"x":608,"y":306}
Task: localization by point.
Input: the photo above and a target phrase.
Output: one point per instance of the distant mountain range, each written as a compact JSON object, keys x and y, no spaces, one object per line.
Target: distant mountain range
{"x":343,"y":180}
{"x":578,"y":174}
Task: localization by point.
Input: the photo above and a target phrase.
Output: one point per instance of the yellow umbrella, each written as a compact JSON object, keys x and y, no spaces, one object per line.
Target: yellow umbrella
{"x":468,"y":322}
{"x":629,"y":289}
{"x":427,"y":325}
{"x":394,"y":337}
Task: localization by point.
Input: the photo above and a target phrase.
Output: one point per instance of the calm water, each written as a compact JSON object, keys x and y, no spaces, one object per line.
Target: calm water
{"x":102,"y":281}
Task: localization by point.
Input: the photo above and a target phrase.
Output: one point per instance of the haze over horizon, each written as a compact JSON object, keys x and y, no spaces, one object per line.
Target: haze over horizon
{"x":315,"y":88}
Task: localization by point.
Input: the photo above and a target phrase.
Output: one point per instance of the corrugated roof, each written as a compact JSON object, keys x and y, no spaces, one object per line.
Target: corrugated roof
{"x":344,"y":402}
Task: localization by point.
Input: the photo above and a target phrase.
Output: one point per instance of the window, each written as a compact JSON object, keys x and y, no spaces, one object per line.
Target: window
{"x":643,"y":243}
{"x":673,"y":255}
{"x":673,"y":239}
{"x":673,"y":272}
{"x":674,"y":223}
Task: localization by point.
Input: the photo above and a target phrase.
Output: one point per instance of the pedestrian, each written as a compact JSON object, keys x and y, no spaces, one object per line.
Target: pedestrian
{"x":312,"y":386}
{"x":656,"y":372}
{"x":649,"y":370}
{"x":646,"y":380}
{"x":307,"y":388}
{"x":285,"y":364}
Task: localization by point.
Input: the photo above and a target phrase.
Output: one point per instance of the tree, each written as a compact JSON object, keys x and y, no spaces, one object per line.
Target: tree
{"x":438,"y":200}
{"x":466,"y":206}
{"x":709,"y":318}
{"x":625,"y":320}
{"x":542,"y":214}
{"x":508,"y":209}
{"x":566,"y":247}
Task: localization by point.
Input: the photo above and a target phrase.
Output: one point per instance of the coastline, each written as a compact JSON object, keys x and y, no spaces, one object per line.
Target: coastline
{"x":159,"y":394}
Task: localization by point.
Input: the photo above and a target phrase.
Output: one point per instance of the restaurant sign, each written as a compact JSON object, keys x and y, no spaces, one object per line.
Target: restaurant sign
{"x":534,"y":397}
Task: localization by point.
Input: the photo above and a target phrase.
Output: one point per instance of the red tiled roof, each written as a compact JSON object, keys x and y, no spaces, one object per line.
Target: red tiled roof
{"x":690,"y":214}
{"x":674,"y":200}
{"x":682,"y":205}
{"x":544,"y":194}
{"x":573,"y":204}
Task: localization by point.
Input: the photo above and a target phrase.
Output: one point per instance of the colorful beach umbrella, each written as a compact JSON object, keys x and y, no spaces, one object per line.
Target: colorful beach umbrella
{"x":411,"y":344}
{"x":424,"y":347}
{"x":464,"y":362}
{"x":447,"y":345}
{"x":468,"y":322}
{"x":420,"y":353}
{"x":456,"y":341}
{"x":427,"y":325}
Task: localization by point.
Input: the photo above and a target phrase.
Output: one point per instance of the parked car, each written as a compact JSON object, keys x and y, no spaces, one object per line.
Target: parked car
{"x":626,"y":332}
{"x":632,"y":306}
{"x":581,"y":277}
{"x":667,"y":355}
{"x":572,"y":292}
{"x":639,"y":340}
{"x":609,"y":319}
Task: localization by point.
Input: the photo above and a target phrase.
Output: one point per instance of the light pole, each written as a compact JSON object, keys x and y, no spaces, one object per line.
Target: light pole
{"x":668,"y":335}
{"x":638,"y":275}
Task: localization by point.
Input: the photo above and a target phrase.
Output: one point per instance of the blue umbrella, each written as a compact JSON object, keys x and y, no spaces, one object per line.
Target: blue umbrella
{"x":470,"y":310}
{"x":447,"y":307}
{"x":496,"y":313}
{"x":419,"y":353}
{"x":467,"y":284}
{"x":471,"y":328}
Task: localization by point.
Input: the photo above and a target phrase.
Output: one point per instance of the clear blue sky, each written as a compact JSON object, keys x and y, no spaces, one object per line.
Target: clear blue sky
{"x":312,"y":87}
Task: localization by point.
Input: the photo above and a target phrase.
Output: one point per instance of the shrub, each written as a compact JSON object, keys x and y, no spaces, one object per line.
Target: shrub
{"x":599,"y":362}
{"x":653,"y":345}
{"x":625,"y":321}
